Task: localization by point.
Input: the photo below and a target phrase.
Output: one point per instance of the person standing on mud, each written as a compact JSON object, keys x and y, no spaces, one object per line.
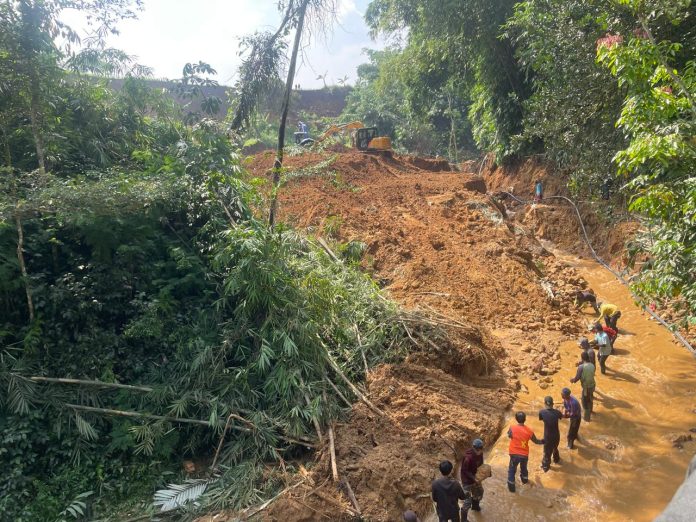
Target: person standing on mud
{"x":604,"y":343}
{"x":582,"y":297}
{"x":520,"y":435}
{"x":573,"y":412}
{"x":446,"y":493}
{"x":587,"y":348}
{"x":610,"y":313}
{"x":538,"y":191}
{"x":552,"y":435}
{"x":473,"y":458}
{"x":586,"y":376}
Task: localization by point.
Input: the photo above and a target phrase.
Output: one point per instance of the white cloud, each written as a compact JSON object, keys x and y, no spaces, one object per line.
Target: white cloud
{"x":346,"y":7}
{"x":169,"y":33}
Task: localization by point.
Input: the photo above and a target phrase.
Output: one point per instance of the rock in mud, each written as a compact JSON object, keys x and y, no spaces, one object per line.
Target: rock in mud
{"x":476,"y":184}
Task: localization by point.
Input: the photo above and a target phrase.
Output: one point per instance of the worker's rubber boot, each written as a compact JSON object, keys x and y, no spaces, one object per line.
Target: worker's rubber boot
{"x":475,"y":506}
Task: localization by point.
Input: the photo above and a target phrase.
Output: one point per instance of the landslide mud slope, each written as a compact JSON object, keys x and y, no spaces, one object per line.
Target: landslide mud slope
{"x":437,"y":243}
{"x":556,"y":220}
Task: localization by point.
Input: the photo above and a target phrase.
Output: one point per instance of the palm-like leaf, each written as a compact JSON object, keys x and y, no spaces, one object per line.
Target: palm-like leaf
{"x":177,"y":495}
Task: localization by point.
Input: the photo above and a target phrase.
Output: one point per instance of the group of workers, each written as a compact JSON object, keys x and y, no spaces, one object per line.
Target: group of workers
{"x":447,"y":491}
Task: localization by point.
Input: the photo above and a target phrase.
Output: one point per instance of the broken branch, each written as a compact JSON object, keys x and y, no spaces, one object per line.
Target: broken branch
{"x":345,"y":487}
{"x":332,"y":452}
{"x":99,"y":384}
{"x":353,"y":388}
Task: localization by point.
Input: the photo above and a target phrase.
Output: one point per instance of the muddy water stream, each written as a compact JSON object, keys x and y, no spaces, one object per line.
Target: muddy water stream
{"x":626,"y":466}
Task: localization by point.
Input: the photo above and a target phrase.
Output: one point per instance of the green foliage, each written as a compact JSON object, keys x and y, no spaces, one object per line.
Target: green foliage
{"x":400,"y":99}
{"x":145,"y":264}
{"x":659,"y":119}
{"x":457,"y":49}
{"x":311,"y":171}
{"x":575,"y":103}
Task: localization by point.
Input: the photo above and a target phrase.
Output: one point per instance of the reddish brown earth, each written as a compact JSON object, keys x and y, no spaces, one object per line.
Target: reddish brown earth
{"x":436,"y":243}
{"x":557,"y":222}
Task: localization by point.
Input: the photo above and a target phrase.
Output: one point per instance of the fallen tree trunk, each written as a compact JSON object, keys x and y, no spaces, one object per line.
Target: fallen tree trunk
{"x":140,"y":415}
{"x":98,"y":384}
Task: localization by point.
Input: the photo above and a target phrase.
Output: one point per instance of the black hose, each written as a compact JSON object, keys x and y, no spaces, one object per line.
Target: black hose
{"x":616,"y":274}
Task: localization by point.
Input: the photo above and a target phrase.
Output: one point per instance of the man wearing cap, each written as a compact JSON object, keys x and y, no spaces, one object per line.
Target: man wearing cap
{"x":473,"y":458}
{"x":587,"y":347}
{"x":586,"y":376}
{"x":520,"y":435}
{"x":572,"y":411}
{"x":552,"y":436}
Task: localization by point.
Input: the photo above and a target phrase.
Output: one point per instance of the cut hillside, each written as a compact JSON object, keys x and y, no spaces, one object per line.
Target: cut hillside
{"x":438,"y":245}
{"x":556,"y":220}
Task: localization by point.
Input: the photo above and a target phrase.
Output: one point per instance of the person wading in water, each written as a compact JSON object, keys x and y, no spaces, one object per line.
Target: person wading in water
{"x":473,"y":459}
{"x":520,"y":435}
{"x":586,"y":376}
{"x":552,"y":436}
{"x":572,"y":411}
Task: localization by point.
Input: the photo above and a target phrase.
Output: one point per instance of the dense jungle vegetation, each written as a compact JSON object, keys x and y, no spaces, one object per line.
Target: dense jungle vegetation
{"x":148,"y":307}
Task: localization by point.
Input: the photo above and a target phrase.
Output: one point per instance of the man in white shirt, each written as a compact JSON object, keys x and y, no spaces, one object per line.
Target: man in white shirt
{"x":604,"y":344}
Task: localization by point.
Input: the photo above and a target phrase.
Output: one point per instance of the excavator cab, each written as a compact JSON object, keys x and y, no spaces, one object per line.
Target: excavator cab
{"x":367,"y":139}
{"x":364,"y":136}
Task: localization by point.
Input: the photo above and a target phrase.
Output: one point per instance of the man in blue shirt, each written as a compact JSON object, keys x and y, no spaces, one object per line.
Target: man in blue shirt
{"x":572,"y":411}
{"x":538,"y":191}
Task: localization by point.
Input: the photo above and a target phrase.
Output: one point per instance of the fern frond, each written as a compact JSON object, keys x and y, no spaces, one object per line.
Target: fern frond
{"x":84,"y":428}
{"x":77,"y":508}
{"x":177,"y":495}
{"x":20,"y":394}
{"x":145,"y":437}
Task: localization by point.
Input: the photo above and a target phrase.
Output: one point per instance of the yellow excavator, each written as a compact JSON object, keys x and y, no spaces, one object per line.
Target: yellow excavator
{"x":363,"y":138}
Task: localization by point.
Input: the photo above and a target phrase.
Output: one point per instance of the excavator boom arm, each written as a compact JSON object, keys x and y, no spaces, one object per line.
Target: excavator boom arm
{"x":335,"y":129}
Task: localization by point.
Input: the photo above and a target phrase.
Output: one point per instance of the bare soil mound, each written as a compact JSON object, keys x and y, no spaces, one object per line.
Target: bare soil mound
{"x":437,"y":243}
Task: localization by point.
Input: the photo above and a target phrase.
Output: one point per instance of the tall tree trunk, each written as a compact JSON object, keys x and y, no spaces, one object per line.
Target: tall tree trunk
{"x":22,"y":265}
{"x":6,"y":148}
{"x":34,"y":116}
{"x":278,"y":165}
{"x":20,"y":245}
{"x":453,"y":130}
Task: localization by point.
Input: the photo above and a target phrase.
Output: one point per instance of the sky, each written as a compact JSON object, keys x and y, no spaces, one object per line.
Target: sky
{"x":170,"y":33}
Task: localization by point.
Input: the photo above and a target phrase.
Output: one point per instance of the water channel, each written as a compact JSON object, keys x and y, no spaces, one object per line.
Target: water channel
{"x":626,"y":467}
